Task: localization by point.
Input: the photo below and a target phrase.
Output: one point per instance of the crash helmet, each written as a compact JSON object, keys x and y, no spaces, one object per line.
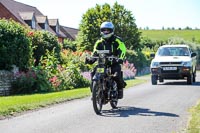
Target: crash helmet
{"x":107,"y":29}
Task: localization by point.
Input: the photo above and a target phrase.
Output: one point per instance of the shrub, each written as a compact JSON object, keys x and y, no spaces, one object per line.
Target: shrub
{"x":53,"y":76}
{"x":129,"y":70}
{"x":74,"y":65}
{"x":25,"y":82}
{"x":46,"y":69}
{"x":42,"y":41}
{"x":68,"y":44}
{"x":139,"y":59}
{"x":15,"y":46}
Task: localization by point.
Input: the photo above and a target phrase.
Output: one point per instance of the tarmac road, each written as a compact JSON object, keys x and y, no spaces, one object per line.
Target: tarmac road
{"x":145,"y":108}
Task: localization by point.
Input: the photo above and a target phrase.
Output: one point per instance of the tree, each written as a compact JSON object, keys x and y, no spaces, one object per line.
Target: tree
{"x":188,"y":28}
{"x":122,"y":19}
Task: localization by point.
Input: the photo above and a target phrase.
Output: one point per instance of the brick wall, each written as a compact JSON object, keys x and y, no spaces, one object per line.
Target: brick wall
{"x":5,"y":13}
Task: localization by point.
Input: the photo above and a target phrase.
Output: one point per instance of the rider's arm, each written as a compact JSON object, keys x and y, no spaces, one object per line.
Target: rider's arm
{"x":121,"y":48}
{"x":95,"y":47}
{"x":92,"y":60}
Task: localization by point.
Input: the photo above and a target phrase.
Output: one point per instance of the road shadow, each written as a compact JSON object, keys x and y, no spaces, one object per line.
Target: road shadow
{"x":126,"y":111}
{"x":179,"y":83}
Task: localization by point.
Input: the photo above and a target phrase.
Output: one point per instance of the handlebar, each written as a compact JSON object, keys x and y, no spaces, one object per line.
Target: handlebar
{"x":110,"y":58}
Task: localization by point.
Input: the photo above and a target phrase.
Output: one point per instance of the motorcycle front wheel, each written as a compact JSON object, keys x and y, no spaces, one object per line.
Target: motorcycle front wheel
{"x":114,"y":97}
{"x":97,"y":97}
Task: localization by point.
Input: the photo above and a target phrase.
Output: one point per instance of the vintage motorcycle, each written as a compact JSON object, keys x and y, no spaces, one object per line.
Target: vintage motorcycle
{"x":104,"y":88}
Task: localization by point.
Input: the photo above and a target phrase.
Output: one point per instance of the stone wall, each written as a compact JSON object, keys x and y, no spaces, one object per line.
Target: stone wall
{"x":5,"y":82}
{"x":144,"y":71}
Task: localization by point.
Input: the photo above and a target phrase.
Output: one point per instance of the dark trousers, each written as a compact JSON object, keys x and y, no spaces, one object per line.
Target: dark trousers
{"x":119,"y":78}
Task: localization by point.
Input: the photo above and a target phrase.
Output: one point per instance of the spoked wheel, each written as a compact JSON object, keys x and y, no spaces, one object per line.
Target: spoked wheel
{"x":114,"y":96}
{"x":97,"y":97}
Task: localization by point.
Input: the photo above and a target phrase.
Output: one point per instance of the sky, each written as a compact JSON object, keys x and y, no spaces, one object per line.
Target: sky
{"x":153,"y":14}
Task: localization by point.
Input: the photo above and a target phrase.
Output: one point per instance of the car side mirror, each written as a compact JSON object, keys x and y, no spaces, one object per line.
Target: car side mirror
{"x":193,"y":54}
{"x":152,"y":55}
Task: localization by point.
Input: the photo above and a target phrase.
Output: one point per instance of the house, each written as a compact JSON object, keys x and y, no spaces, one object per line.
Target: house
{"x":71,"y":33}
{"x":32,"y":17}
{"x":54,"y":24}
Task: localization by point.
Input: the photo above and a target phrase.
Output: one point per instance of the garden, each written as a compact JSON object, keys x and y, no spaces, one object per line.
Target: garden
{"x":41,"y":64}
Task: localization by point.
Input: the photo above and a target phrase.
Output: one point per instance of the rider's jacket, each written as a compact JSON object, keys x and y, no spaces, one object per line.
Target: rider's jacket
{"x":114,"y":44}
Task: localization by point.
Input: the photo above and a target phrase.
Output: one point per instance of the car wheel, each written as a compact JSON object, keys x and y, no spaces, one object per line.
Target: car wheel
{"x":194,"y":76}
{"x":154,"y":79}
{"x":190,"y":79}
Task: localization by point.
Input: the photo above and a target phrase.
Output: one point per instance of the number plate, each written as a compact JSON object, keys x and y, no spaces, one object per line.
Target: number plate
{"x":100,"y":70}
{"x":169,"y":68}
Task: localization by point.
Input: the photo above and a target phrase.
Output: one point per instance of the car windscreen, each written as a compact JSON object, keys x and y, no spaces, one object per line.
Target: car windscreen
{"x":173,"y":51}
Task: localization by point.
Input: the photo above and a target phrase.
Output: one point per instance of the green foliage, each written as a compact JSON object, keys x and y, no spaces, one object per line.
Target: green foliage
{"x":194,"y":122}
{"x":139,"y":59}
{"x":42,"y":41}
{"x":74,"y":78}
{"x":125,"y":26}
{"x":24,"y":83}
{"x":11,"y":105}
{"x":47,"y":73}
{"x":153,"y":45}
{"x":50,"y":75}
{"x":74,"y":62}
{"x":53,"y":76}
{"x":42,"y":80}
{"x":15,"y":46}
{"x":68,"y":44}
{"x":164,"y":35}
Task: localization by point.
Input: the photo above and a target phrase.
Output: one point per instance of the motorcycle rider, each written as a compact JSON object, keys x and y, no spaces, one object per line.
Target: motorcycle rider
{"x":116,"y":46}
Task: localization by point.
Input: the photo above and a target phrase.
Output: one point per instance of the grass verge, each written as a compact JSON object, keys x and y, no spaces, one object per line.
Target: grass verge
{"x":194,"y":123}
{"x":12,"y":105}
{"x":16,"y":104}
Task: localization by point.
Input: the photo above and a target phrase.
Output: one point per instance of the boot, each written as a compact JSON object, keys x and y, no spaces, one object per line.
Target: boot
{"x":120,"y":93}
{"x":124,"y":85}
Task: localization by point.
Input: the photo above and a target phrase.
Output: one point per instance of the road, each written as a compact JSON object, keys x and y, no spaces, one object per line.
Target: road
{"x":145,"y":108}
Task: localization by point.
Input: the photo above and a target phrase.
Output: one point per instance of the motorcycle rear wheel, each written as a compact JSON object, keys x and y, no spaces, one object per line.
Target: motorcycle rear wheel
{"x":97,"y":97}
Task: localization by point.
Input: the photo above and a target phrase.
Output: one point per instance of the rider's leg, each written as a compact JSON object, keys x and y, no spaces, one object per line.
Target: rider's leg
{"x":92,"y":76}
{"x":118,"y":79}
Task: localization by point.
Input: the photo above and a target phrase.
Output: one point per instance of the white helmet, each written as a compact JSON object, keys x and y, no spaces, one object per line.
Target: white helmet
{"x":107,"y":29}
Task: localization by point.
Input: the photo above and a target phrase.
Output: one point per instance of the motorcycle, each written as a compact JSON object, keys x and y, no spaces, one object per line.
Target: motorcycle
{"x":104,"y":88}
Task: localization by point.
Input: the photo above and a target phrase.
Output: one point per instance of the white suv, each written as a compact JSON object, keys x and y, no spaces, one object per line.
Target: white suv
{"x":173,"y":62}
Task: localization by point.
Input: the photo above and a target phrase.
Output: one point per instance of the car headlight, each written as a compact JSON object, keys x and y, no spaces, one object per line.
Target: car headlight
{"x":155,"y":64}
{"x":187,"y":63}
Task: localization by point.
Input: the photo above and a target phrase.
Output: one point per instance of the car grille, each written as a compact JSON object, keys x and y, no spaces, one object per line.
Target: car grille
{"x":170,"y":63}
{"x":170,"y":71}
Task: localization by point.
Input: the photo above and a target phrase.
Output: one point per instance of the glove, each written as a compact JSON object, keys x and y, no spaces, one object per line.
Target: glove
{"x":120,"y":61}
{"x":89,"y":60}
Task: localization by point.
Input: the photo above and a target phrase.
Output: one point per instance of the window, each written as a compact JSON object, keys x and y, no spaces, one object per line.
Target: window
{"x":173,"y":51}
